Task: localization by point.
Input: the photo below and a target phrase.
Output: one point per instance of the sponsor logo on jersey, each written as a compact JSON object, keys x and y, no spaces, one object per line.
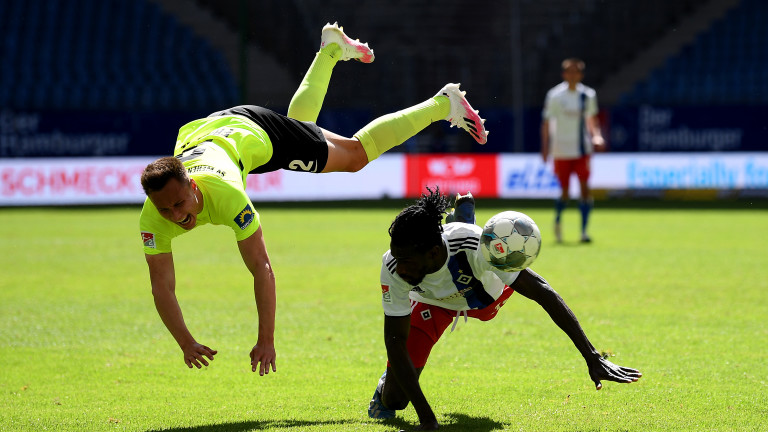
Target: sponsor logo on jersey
{"x":206,"y":168}
{"x":148,"y":238}
{"x":245,"y":217}
{"x":426,"y":315}
{"x":222,"y":131}
{"x":190,"y":153}
{"x":385,"y":295}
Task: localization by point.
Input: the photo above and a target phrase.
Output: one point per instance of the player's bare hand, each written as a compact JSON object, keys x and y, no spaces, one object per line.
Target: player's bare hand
{"x":195,"y":354}
{"x":262,"y":357}
{"x":602,"y":369}
{"x":598,"y":143}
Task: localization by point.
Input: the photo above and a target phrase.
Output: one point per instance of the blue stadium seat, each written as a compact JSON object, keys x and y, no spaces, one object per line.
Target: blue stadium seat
{"x":718,"y":67}
{"x":110,"y":54}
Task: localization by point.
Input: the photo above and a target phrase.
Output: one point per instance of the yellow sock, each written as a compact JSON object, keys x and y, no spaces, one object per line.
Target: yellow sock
{"x":394,"y":129}
{"x":308,"y":99}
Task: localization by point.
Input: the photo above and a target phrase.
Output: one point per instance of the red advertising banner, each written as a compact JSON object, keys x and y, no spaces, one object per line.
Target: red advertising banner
{"x":453,"y":173}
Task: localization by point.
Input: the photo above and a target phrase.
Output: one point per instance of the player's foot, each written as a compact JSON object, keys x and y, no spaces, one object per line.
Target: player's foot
{"x":462,"y":114}
{"x":585,"y":238}
{"x":558,"y":233}
{"x":350,"y":49}
{"x":463,"y":209}
{"x":376,"y":409}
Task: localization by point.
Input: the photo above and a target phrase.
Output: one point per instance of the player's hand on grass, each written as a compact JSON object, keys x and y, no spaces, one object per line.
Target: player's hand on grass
{"x":195,"y":354}
{"x":602,"y":369}
{"x":262,"y":357}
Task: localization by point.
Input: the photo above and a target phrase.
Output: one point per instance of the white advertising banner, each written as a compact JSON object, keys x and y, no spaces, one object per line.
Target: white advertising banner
{"x":384,"y":177}
{"x":680,"y":171}
{"x":116,"y":180}
{"x":65,"y":181}
{"x":526,"y":176}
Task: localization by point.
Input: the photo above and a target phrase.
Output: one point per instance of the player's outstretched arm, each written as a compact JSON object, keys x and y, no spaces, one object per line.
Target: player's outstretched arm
{"x":396,"y":331}
{"x":254,"y":252}
{"x":531,"y":285}
{"x":163,"y":279}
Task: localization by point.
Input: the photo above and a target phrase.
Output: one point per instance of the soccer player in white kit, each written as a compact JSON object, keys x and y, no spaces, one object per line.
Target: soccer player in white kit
{"x":434,"y":274}
{"x":570,"y":132}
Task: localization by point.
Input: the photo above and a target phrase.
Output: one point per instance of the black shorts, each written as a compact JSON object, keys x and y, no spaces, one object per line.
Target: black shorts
{"x":296,"y":145}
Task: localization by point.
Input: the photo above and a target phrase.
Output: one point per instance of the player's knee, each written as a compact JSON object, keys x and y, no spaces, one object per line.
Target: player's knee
{"x":357,"y":159}
{"x":357,"y":163}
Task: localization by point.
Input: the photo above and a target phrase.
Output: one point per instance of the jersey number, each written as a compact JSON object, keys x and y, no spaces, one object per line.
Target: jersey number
{"x":300,"y":165}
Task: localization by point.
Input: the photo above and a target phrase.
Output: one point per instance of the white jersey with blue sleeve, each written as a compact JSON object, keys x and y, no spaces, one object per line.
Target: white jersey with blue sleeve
{"x":466,"y":280}
{"x":567,"y":112}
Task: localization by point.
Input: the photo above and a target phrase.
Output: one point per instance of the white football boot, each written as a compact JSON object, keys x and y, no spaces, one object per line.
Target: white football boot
{"x":462,"y":114}
{"x":350,"y":49}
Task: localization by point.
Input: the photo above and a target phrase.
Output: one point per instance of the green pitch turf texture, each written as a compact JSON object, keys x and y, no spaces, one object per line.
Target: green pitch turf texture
{"x":679,"y":294}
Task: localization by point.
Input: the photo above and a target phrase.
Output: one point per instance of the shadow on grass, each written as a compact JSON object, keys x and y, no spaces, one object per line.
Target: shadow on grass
{"x":254,"y":426}
{"x":458,"y":423}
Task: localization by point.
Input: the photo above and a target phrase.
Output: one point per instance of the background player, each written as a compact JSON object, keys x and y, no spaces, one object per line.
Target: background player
{"x":570,"y":131}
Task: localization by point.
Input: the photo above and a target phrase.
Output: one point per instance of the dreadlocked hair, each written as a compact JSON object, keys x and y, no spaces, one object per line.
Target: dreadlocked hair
{"x":420,"y":225}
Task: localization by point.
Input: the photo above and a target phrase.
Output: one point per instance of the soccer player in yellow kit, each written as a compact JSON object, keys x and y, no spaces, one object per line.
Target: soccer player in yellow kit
{"x":204,"y":182}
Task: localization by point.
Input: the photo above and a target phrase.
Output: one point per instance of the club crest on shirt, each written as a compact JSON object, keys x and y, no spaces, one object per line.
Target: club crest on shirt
{"x":245,"y":217}
{"x":385,"y":295}
{"x":426,"y":315}
{"x":148,"y":238}
{"x":464,"y":279}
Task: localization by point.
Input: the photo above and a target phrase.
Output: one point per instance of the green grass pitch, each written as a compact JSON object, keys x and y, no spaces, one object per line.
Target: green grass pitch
{"x":681,"y":295}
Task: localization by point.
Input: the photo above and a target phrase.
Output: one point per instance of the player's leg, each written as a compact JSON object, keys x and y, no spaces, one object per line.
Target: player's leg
{"x":427,"y":325}
{"x":390,"y":130}
{"x":463,"y":209}
{"x":586,"y":203}
{"x":562,"y":169}
{"x":335,"y":46}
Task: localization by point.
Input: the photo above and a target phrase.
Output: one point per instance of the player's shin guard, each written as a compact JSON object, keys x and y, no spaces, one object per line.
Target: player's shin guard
{"x":308,"y":99}
{"x":585,"y":206}
{"x":394,"y":129}
{"x":559,"y":207}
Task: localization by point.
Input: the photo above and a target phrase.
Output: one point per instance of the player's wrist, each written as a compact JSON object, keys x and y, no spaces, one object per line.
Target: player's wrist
{"x":264,"y":339}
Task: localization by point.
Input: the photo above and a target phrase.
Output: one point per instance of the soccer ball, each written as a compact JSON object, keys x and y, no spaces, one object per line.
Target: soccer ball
{"x":511,"y":241}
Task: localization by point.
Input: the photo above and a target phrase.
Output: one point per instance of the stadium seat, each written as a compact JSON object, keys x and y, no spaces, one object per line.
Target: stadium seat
{"x":110,"y":54}
{"x":718,"y":67}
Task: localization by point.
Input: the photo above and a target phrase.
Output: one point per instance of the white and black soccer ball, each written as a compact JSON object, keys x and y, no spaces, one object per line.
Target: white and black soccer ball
{"x":511,"y":241}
